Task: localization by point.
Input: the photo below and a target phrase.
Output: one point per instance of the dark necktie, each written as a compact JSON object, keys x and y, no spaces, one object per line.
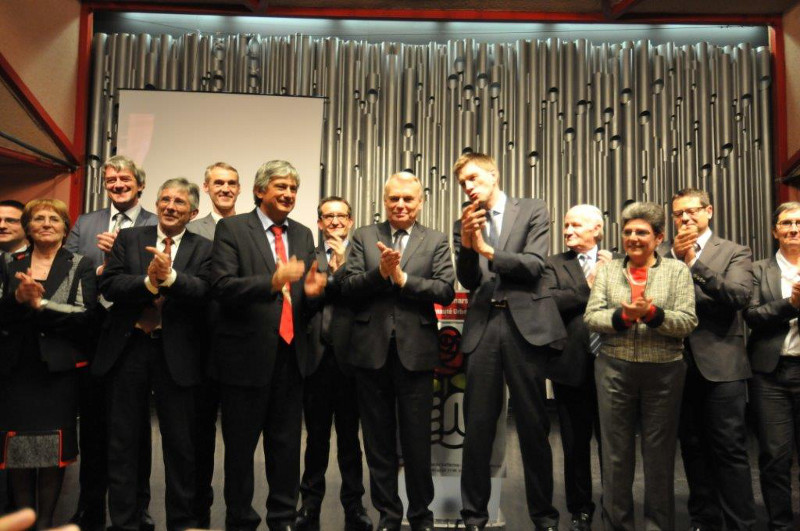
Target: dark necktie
{"x":286,"y":329}
{"x":327,"y":313}
{"x":399,"y":240}
{"x":594,"y":338}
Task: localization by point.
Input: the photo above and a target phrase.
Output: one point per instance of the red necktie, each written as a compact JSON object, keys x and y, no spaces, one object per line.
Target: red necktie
{"x":286,"y":329}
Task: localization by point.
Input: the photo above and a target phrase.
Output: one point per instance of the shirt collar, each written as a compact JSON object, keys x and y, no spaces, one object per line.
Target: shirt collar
{"x":175,"y":239}
{"x":132,"y":213}
{"x":408,"y":230}
{"x":702,"y":240}
{"x":591,"y":254}
{"x":328,"y":247}
{"x":788,"y":270}
{"x":216,"y":217}
{"x":500,"y":205}
{"x":266,"y":222}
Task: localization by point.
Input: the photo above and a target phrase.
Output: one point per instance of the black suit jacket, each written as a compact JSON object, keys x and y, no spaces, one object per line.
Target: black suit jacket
{"x":566,"y":282}
{"x":335,"y":311}
{"x":246,"y":336}
{"x":183,"y":311}
{"x":723,"y":283}
{"x":515,"y":275}
{"x":379,"y":306}
{"x":767,"y":316}
{"x":57,"y":333}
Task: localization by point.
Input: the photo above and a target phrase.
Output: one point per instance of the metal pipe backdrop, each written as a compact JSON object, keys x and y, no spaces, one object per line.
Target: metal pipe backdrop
{"x":567,"y":120}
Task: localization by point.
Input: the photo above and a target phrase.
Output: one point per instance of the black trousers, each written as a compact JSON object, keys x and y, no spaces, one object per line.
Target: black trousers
{"x":579,"y":420}
{"x":389,"y":398}
{"x":93,"y":441}
{"x":649,"y":395}
{"x":142,"y":367}
{"x":329,"y":395}
{"x":776,"y":403}
{"x":207,"y":401}
{"x":713,"y":437}
{"x":276,"y":410}
{"x":503,"y":356}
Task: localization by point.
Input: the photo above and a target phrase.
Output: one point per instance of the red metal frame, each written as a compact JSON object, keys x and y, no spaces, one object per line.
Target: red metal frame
{"x":78,"y":177}
{"x":33,"y":160}
{"x":619,"y":9}
{"x":36,"y":110}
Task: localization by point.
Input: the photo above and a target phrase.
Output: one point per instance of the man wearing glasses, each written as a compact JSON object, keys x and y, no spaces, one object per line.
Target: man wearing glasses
{"x":12,"y":235}
{"x":712,"y":427}
{"x":329,"y":391}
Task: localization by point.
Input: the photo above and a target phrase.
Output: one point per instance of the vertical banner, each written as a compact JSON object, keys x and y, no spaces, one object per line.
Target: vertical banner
{"x":447,"y":425}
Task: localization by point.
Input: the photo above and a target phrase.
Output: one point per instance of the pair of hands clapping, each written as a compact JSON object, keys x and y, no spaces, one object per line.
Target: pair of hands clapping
{"x":292,"y":271}
{"x":473,"y":220}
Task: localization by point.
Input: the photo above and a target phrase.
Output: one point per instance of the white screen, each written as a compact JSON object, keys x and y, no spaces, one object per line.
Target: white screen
{"x":178,"y":134}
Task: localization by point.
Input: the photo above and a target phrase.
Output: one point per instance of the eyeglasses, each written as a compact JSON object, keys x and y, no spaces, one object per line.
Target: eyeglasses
{"x":789,"y":223}
{"x":628,"y":233}
{"x":330,"y":217}
{"x":10,"y":221}
{"x":677,"y":214}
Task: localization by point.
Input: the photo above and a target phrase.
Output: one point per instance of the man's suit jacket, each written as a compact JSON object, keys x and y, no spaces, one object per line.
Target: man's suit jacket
{"x":82,"y":238}
{"x":515,"y":275}
{"x":379,"y":306}
{"x":182,"y":313}
{"x":246,"y":336}
{"x":564,"y":278}
{"x":767,"y":316}
{"x":204,"y":226}
{"x":723,"y":282}
{"x":335,"y":313}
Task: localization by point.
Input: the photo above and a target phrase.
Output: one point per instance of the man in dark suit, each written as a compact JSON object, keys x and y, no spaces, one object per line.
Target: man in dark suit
{"x":512,"y":321}
{"x":712,"y":431}
{"x":265,"y":279}
{"x":329,"y":391}
{"x":153,"y":338}
{"x":395,"y":273}
{"x":569,"y":277}
{"x":774,"y":349}
{"x":93,"y":235}
{"x":221,"y":183}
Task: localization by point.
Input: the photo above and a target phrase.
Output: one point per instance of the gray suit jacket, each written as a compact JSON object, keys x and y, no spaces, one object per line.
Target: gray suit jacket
{"x":723,"y":282}
{"x":205,"y":227}
{"x":82,"y":238}
{"x":515,"y":275}
{"x":767,"y":316}
{"x":379,"y":306}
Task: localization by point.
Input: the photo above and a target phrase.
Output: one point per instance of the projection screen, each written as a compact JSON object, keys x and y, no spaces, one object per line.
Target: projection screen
{"x":178,"y":134}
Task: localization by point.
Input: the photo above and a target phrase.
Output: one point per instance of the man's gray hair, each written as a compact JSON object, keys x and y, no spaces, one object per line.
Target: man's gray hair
{"x":652,"y":213}
{"x":183,"y":184}
{"x":591,"y":213}
{"x":406,"y":176}
{"x":269,"y":171}
{"x":122,"y":163}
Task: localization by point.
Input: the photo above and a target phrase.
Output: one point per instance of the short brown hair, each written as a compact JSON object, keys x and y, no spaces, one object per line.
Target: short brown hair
{"x":784,"y":207}
{"x":57,"y":205}
{"x":702,"y":195}
{"x":333,"y":199}
{"x":481,"y":159}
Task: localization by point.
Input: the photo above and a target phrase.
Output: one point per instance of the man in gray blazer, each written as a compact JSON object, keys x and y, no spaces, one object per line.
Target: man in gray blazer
{"x":395,"y":272}
{"x":93,"y":236}
{"x":512,"y":322}
{"x":221,"y":183}
{"x":712,"y":431}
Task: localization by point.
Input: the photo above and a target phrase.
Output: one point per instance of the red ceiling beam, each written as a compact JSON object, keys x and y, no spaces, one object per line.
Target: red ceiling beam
{"x":33,"y":160}
{"x":36,"y":110}
{"x":613,"y":12}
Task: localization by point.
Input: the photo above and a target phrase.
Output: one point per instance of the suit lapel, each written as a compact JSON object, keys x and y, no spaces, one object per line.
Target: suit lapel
{"x":385,"y":234}
{"x":322,"y":259}
{"x":58,"y":271}
{"x":260,"y":240}
{"x":772,"y":278}
{"x":509,"y":217}
{"x":185,"y":251}
{"x":414,"y":241}
{"x":146,"y":238}
{"x":573,"y":268}
{"x":140,"y":219}
{"x":711,"y":254}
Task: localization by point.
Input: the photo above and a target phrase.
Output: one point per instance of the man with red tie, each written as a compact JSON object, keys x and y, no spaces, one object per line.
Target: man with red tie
{"x":153,"y":338}
{"x":265,"y":279}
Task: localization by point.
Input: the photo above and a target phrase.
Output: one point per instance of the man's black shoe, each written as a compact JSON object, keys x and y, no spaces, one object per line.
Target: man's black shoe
{"x":581,"y":522}
{"x":89,"y":519}
{"x":356,"y":519}
{"x":307,"y":520}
